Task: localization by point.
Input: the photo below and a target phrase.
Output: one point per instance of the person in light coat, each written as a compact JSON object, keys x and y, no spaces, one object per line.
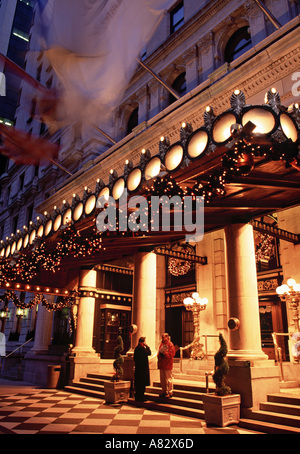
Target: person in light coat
{"x":165,"y":355}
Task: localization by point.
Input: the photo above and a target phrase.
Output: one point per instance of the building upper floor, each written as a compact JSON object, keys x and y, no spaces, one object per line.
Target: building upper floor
{"x":197,"y":44}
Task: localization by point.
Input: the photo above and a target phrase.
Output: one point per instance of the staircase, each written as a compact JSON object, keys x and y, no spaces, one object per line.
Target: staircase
{"x":186,"y":400}
{"x":279,"y":415}
{"x":15,"y":371}
{"x":13,"y":365}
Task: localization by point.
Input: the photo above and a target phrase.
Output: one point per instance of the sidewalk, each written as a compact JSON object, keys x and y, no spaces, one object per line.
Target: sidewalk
{"x":29,"y":409}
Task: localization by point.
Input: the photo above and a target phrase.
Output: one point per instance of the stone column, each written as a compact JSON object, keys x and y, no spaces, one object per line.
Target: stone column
{"x":250,"y":372}
{"x":245,"y":342}
{"x":85,"y":316}
{"x":37,"y":359}
{"x":43,"y":330}
{"x":144,"y":297}
{"x":83,"y":358}
{"x":143,"y":310}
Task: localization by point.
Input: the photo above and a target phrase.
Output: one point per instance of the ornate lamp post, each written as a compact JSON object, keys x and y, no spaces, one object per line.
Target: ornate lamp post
{"x":196,"y":305}
{"x":290,"y":293}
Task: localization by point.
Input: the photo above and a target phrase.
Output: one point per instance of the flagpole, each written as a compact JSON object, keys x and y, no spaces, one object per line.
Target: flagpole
{"x":268,"y":14}
{"x":20,"y":71}
{"x":159,"y":79}
{"x":58,"y":165}
{"x":102,"y":132}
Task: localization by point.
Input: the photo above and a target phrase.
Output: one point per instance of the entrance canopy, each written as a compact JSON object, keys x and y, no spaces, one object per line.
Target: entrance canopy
{"x":240,"y":165}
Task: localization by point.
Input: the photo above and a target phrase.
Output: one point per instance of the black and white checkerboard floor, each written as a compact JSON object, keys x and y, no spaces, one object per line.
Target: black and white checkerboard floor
{"x":58,"y":412}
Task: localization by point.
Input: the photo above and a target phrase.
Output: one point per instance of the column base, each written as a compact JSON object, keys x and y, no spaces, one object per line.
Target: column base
{"x":82,"y":364}
{"x":253,"y":380}
{"x":36,"y":367}
{"x":247,"y":355}
{"x":83,"y":351}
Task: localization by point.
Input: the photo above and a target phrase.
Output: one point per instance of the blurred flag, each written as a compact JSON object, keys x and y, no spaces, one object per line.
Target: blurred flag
{"x":93,"y":45}
{"x":23,"y":148}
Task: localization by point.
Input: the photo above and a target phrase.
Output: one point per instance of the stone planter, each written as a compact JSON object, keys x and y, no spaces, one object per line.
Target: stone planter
{"x":117,"y":391}
{"x":222,"y":410}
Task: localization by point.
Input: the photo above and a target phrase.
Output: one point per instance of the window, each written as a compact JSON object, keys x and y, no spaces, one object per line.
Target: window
{"x":15,"y":224}
{"x":133,"y":120}
{"x":238,"y":44}
{"x":39,"y":72}
{"x":22,"y":177}
{"x":49,"y":82}
{"x":179,"y":85}
{"x":29,"y":213}
{"x":177,"y":17}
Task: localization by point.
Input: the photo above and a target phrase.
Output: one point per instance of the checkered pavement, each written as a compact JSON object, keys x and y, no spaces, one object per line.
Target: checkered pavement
{"x":59,"y":412}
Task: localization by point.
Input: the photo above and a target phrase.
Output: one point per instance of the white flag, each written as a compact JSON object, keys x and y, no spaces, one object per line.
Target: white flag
{"x":93,"y":45}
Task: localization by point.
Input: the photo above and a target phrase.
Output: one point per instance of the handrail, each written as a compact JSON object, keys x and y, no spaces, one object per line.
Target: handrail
{"x":278,"y":353}
{"x":7,"y":356}
{"x":18,"y":348}
{"x":192,"y":343}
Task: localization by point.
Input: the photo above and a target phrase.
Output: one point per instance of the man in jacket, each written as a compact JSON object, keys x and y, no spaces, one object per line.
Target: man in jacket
{"x":165,"y":356}
{"x":141,"y":372}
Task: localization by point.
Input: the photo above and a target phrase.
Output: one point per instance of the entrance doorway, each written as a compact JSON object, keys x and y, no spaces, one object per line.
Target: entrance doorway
{"x":273,"y":319}
{"x":179,"y":324}
{"x":108,"y":320}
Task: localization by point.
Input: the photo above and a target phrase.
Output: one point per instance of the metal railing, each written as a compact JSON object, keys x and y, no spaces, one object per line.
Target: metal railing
{"x":278,"y":353}
{"x":11,"y":353}
{"x":206,"y":354}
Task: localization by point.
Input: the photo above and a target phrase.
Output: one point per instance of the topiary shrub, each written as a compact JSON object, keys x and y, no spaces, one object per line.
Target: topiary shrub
{"x":119,"y":360}
{"x":221,"y":368}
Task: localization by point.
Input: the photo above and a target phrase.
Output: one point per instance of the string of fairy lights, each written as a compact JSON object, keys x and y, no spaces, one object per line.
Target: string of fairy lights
{"x":38,"y":298}
{"x":240,"y":149}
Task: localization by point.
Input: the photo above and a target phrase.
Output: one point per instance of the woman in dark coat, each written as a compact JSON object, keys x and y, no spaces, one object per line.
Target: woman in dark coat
{"x":141,"y":373}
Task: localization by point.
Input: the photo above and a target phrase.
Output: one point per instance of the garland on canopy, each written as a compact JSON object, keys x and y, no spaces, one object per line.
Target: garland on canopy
{"x":60,"y":303}
{"x":237,"y":161}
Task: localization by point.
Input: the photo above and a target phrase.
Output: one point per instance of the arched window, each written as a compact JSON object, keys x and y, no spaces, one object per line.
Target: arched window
{"x":239,"y":43}
{"x":133,"y":120}
{"x":179,"y":85}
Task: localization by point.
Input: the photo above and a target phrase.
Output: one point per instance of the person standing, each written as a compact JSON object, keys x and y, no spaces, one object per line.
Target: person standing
{"x":141,"y":372}
{"x":166,"y":353}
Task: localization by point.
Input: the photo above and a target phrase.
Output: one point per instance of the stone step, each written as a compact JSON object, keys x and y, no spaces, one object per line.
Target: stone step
{"x":275,"y":418}
{"x":84,"y":391}
{"x":189,"y":385}
{"x":14,"y":372}
{"x":269,"y":428}
{"x":280,"y":408}
{"x":288,"y":399}
{"x":288,"y":384}
{"x":195,"y":367}
{"x":170,"y":408}
{"x":193,"y":377}
{"x":184,"y":401}
{"x":178,"y":393}
{"x":280,"y":414}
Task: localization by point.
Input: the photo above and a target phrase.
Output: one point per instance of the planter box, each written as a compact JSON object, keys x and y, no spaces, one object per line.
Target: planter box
{"x":222,"y":410}
{"x":117,"y":391}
